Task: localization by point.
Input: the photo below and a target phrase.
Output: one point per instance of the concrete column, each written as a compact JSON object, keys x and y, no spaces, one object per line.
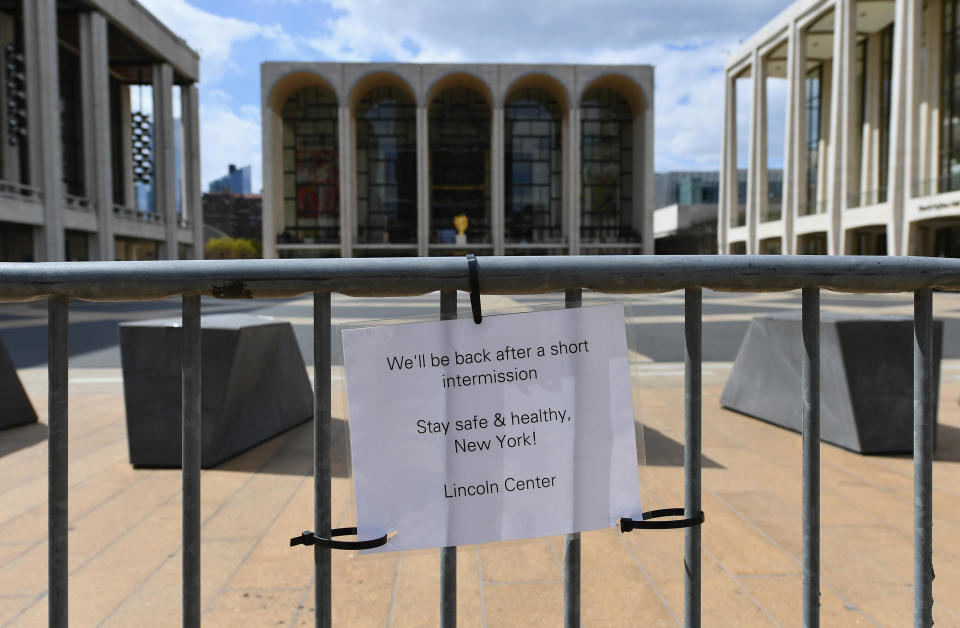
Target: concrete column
{"x":193,"y":187}
{"x":423,"y":181}
{"x":759,"y":134}
{"x":728,"y":172}
{"x":789,"y":196}
{"x":271,"y":199}
{"x":841,"y":175}
{"x":348,"y":191}
{"x":648,"y":181}
{"x":799,"y":66}
{"x":573,"y":207}
{"x":753,"y":159}
{"x":164,"y":174}
{"x":43,"y":120}
{"x":97,"y":156}
{"x":723,"y":205}
{"x":497,"y":151}
{"x":902,"y":118}
{"x":929,"y":141}
{"x":126,"y":148}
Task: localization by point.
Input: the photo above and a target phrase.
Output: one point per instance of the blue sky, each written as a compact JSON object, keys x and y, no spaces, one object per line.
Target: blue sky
{"x":686,"y":40}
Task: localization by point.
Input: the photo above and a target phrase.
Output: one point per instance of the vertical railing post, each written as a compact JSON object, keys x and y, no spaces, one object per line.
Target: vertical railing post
{"x":448,"y":555}
{"x":693,"y":344}
{"x":323,"y":617}
{"x":190,"y":378}
{"x":810,"y":417}
{"x":923,"y":413}
{"x":58,"y":351}
{"x":573,"y":297}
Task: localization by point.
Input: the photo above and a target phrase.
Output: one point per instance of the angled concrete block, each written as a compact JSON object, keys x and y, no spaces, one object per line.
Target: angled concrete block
{"x":17,"y":409}
{"x":866,"y":378}
{"x":254,"y":385}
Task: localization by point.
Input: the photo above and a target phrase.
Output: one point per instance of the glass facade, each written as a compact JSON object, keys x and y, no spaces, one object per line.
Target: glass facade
{"x":71,"y":122}
{"x":950,"y":98}
{"x":606,"y":168}
{"x":459,"y":135}
{"x":311,"y":199}
{"x":386,"y":168}
{"x":886,"y":80}
{"x":533,"y":168}
{"x":860,"y":111}
{"x":813,"y":120}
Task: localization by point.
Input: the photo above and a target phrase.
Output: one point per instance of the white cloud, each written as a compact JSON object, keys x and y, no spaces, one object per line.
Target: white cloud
{"x":686,"y":40}
{"x":229,"y":137}
{"x":213,"y":36}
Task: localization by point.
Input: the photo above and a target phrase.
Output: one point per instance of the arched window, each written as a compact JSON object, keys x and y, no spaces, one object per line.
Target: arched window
{"x":386,"y":167}
{"x":311,"y":198}
{"x":606,"y":167}
{"x":459,"y":164}
{"x":533,"y":167}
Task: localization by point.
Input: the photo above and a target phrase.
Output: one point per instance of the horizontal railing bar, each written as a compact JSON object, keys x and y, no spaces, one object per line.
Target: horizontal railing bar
{"x":382,"y":277}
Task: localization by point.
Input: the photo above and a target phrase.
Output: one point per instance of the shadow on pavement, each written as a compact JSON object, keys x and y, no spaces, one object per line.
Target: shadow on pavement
{"x":16,"y":438}
{"x":663,"y":451}
{"x":295,"y":457}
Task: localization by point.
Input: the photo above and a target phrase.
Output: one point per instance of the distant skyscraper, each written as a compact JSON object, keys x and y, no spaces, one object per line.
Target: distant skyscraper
{"x":236,"y":181}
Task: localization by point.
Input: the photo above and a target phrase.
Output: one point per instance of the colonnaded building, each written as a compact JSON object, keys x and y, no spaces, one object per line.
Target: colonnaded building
{"x":78,"y":142}
{"x":871,"y":131}
{"x":370,"y":159}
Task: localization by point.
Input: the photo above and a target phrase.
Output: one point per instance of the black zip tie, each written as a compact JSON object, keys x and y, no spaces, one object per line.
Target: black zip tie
{"x":309,"y":538}
{"x":627,"y":524}
{"x":474,"y":268}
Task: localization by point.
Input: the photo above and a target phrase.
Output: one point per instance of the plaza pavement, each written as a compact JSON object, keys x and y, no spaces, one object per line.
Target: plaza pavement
{"x":124,"y":536}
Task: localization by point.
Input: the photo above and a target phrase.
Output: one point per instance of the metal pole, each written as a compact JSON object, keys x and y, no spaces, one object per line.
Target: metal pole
{"x":573,"y":297}
{"x":57,"y":357}
{"x":923,"y":413}
{"x":321,"y":457}
{"x":448,"y":555}
{"x":693,"y":356}
{"x":191,"y":460}
{"x":810,"y":418}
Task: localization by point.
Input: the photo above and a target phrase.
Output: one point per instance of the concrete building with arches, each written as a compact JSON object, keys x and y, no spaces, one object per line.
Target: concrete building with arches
{"x":870,"y":132}
{"x":377,"y":159}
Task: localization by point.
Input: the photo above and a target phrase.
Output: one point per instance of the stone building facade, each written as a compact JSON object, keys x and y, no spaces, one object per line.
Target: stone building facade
{"x":871,"y":131}
{"x":74,"y":143}
{"x":370,"y":159}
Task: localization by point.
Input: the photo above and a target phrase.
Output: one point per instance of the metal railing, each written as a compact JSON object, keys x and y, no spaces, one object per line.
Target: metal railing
{"x":137,"y":281}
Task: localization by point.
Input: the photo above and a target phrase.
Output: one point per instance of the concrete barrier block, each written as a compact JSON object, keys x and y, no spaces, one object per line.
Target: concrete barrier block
{"x":254,"y":386}
{"x":866,"y":378}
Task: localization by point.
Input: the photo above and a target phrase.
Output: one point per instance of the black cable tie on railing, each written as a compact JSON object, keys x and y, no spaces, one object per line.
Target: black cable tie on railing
{"x":309,"y":538}
{"x":627,"y":524}
{"x":474,"y":268}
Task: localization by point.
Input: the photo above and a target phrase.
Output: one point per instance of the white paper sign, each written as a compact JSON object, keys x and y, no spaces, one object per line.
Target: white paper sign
{"x":519,"y":427}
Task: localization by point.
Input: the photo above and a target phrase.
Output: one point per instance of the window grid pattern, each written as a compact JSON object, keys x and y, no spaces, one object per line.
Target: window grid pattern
{"x":533,"y":167}
{"x":311,"y":198}
{"x":459,"y":133}
{"x":71,"y":123}
{"x":813,"y":118}
{"x":386,"y":168}
{"x":950,"y":99}
{"x":886,"y":80}
{"x":606,"y":168}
